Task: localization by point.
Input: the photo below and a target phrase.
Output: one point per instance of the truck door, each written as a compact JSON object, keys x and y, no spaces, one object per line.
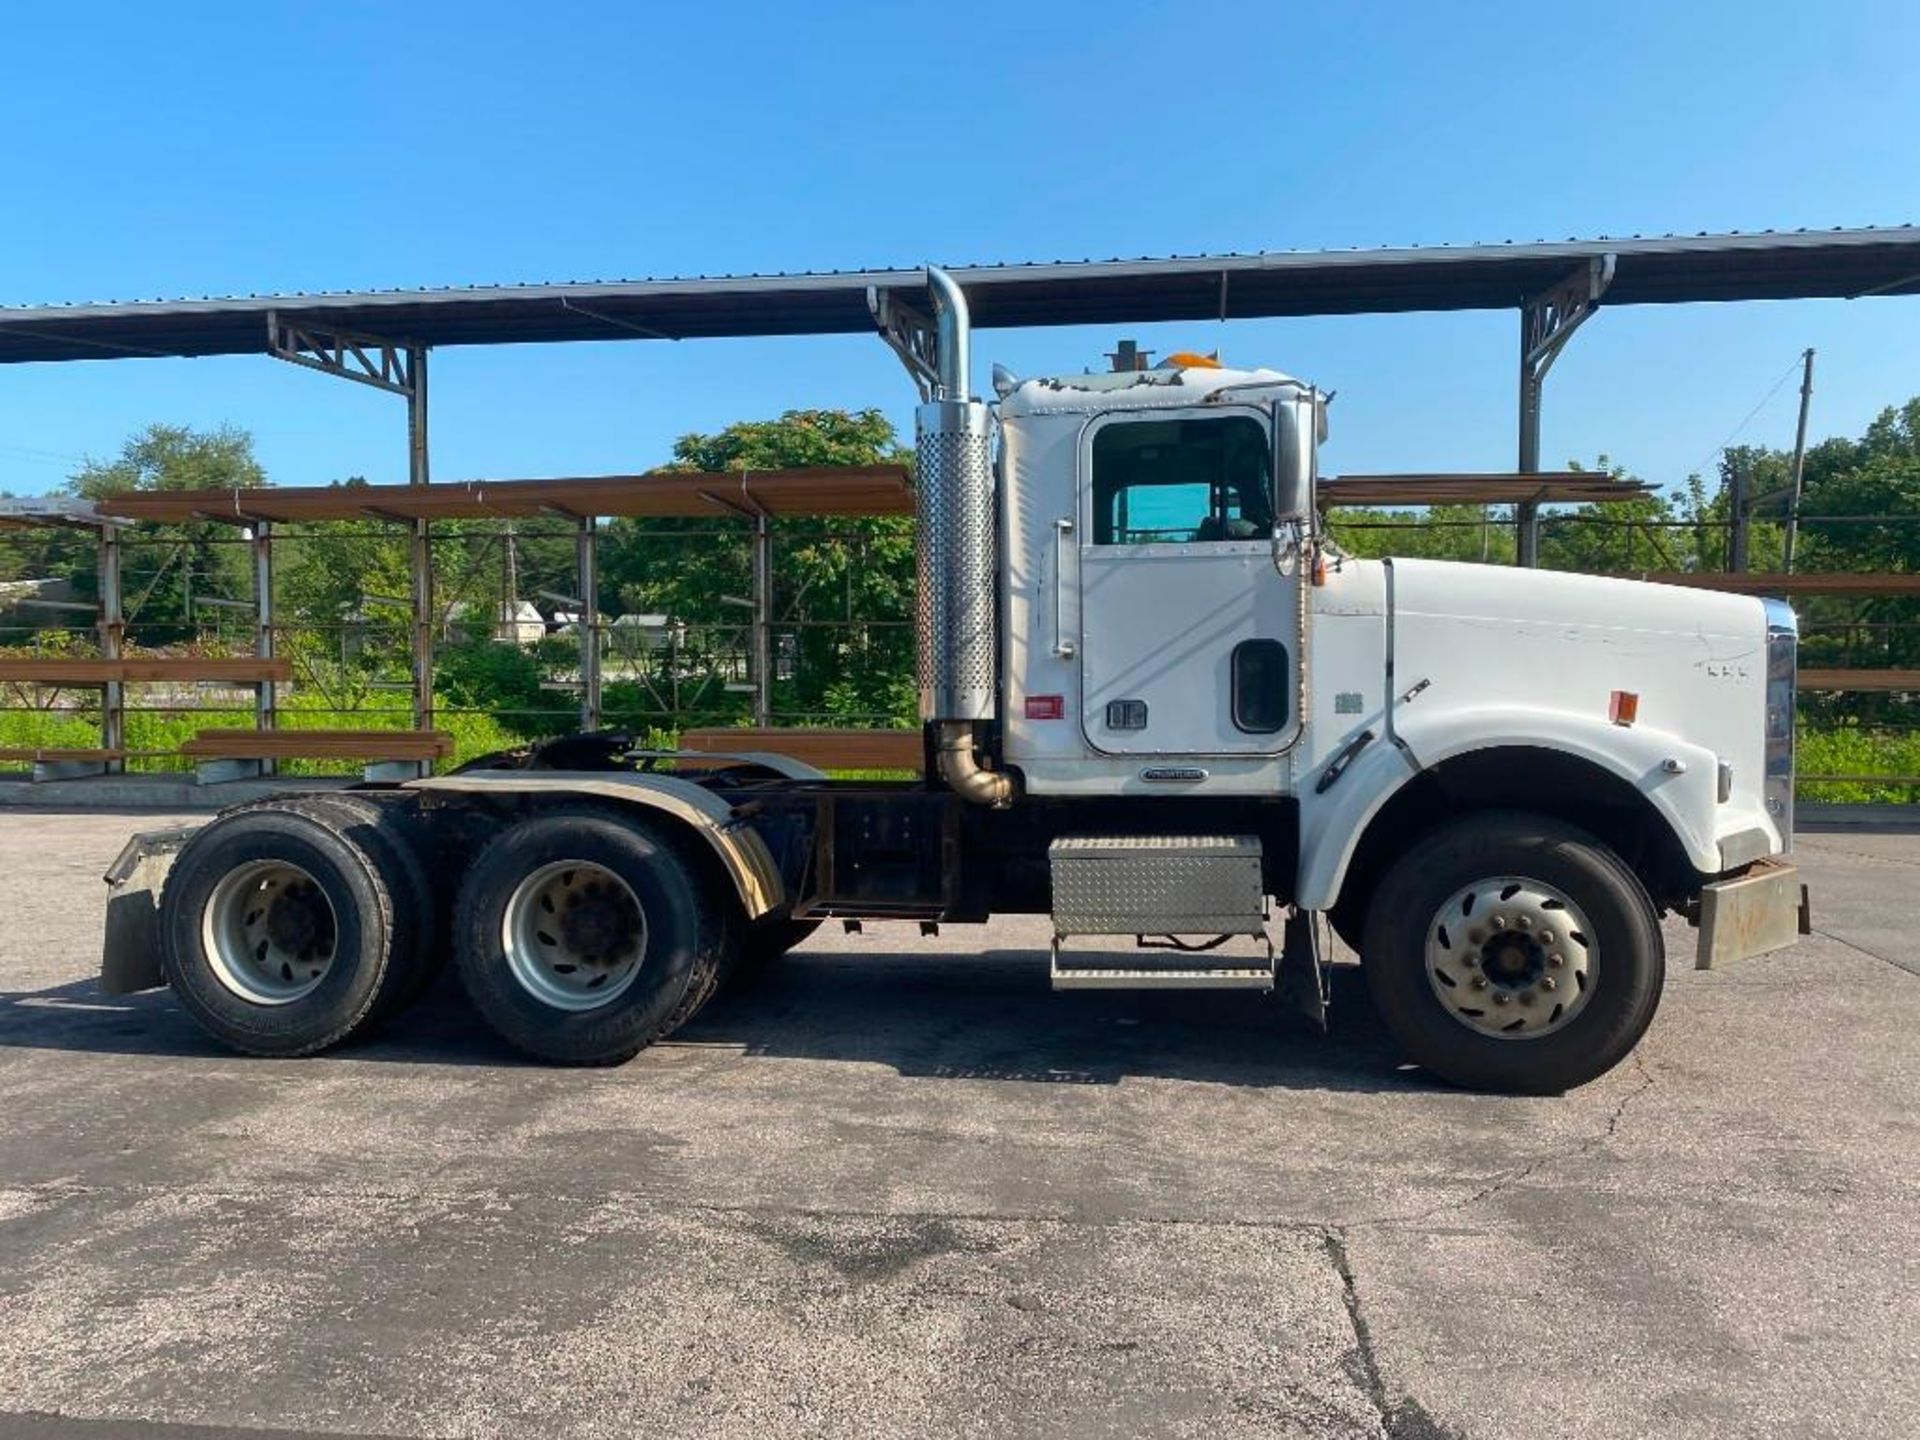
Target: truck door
{"x":1188,"y":632}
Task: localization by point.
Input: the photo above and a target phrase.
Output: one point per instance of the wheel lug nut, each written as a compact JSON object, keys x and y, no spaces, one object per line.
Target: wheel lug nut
{"x":1479,"y":982}
{"x":1524,"y":923}
{"x":1546,"y":937}
{"x":1499,"y":922}
{"x":1547,"y":982}
{"x":1555,"y":960}
{"x":1500,"y":997}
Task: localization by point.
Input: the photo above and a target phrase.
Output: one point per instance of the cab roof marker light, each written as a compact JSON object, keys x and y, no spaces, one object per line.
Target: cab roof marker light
{"x":1624,"y":708}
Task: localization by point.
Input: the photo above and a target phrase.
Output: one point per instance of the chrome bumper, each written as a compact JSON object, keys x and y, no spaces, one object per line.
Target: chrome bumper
{"x":1764,"y":909}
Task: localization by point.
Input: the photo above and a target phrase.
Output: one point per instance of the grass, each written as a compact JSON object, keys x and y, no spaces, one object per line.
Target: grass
{"x":167,"y":731}
{"x":1851,"y":750}
{"x":1833,"y":750}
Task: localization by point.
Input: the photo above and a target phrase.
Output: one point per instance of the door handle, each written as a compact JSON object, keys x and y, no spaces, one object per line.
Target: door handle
{"x":1063,"y":534}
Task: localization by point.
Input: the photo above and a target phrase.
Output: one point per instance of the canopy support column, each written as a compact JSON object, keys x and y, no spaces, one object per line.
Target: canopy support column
{"x":113,"y":630}
{"x":586,"y":546}
{"x":399,"y":368}
{"x":422,"y":556}
{"x":762,"y":619}
{"x":265,"y":695}
{"x":1547,"y":322}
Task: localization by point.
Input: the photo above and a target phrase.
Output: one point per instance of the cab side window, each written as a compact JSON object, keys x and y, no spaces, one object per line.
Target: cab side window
{"x":1158,"y":482}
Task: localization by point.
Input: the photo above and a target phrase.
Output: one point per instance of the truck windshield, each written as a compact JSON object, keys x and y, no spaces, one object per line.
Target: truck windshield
{"x":1159,"y":481}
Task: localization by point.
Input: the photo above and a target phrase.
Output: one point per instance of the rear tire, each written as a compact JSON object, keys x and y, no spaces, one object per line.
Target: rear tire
{"x":1512,"y":952}
{"x":393,"y":840}
{"x":579,"y":934}
{"x":277,"y":930}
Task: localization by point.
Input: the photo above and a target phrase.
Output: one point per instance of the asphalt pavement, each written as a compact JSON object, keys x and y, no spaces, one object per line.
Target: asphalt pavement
{"x":897,"y":1188}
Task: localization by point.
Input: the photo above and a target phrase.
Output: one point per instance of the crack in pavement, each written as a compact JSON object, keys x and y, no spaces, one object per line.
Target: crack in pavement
{"x":1365,"y":1370}
{"x":1402,"y":1419}
{"x":1900,"y":965}
{"x":1506,"y":1180}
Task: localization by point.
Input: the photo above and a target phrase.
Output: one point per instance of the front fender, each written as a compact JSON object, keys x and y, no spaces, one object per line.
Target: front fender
{"x":739,"y":848}
{"x":1332,"y":823}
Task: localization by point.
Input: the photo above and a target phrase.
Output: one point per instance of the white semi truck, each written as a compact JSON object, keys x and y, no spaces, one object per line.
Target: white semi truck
{"x":1159,"y":705}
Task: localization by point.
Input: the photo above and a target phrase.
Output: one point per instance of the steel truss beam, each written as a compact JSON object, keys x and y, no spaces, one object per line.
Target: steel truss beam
{"x":1547,"y":322}
{"x":367,"y":359}
{"x":910,"y":334}
{"x":399,"y":368}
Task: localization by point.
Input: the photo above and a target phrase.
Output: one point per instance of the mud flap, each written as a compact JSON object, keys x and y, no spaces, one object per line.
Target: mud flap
{"x":1302,"y":979}
{"x":130,"y":949}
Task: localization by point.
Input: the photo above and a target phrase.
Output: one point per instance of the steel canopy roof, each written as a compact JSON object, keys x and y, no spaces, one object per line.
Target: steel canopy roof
{"x":1648,"y":271}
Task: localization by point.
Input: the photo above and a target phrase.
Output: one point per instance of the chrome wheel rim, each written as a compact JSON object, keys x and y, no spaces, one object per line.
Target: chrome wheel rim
{"x":269,"y":932}
{"x":1511,"y":958}
{"x":575,"y":935}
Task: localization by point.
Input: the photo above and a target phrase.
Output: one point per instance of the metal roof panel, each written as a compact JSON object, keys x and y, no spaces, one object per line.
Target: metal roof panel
{"x":1667,"y":269}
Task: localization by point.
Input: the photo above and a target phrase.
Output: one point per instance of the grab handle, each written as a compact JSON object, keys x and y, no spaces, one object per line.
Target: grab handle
{"x":1063,"y":534}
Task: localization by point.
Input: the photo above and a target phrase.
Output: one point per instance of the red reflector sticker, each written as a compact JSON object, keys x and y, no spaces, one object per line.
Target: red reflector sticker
{"x":1624,"y":708}
{"x":1046,"y":707}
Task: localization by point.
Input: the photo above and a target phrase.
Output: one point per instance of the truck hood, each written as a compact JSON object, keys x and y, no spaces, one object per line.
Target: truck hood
{"x":1594,"y":607}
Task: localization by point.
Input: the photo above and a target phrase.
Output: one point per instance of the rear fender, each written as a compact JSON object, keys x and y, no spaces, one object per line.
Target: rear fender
{"x":741,"y":852}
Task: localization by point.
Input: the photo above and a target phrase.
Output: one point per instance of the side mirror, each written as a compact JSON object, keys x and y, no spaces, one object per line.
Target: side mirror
{"x":1296,"y":440}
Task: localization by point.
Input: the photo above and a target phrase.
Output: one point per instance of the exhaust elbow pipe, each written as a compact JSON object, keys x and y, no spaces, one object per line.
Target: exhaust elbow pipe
{"x":962,"y":770}
{"x":953,"y":336}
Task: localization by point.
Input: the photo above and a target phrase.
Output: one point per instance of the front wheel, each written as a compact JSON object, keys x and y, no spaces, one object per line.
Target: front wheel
{"x":1512,"y":952}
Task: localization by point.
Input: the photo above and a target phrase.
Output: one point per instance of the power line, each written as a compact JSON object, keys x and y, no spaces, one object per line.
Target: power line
{"x":1734,"y":433}
{"x":44,"y":457}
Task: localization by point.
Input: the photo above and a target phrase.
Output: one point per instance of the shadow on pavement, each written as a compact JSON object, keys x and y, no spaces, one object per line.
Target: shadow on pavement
{"x":983,"y":1016}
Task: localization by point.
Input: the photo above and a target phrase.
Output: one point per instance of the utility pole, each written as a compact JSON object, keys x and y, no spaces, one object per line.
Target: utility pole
{"x":1799,"y":456}
{"x":509,"y":626}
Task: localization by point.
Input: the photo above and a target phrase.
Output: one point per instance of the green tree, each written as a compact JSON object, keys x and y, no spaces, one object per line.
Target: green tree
{"x":1434,"y":532}
{"x":170,"y":567}
{"x":843,"y":598}
{"x":346,"y":588}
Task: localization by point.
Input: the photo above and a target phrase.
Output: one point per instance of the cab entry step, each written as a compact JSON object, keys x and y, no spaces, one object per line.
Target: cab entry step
{"x":1196,"y":891}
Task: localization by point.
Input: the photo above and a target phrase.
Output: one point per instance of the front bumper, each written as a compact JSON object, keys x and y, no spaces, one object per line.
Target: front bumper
{"x":1764,"y":908}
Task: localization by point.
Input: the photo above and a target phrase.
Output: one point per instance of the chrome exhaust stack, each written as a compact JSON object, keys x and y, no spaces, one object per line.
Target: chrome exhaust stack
{"x":957,"y":604}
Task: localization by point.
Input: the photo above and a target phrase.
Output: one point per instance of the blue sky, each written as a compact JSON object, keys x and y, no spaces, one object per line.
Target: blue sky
{"x":198,"y":148}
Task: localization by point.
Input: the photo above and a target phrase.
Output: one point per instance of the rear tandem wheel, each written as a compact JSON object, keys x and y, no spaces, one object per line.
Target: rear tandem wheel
{"x":583,"y":935}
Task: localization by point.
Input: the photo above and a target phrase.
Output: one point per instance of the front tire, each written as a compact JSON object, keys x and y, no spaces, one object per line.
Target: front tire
{"x":1512,"y":952}
{"x":579,"y":933}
